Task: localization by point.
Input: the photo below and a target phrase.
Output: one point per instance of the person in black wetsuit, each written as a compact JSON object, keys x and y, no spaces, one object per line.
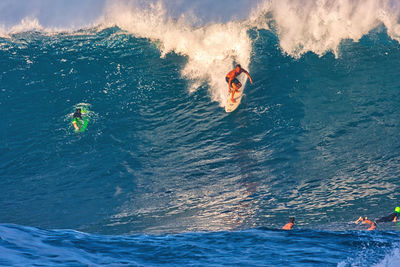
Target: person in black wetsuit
{"x":77,"y":113}
{"x":76,"y":117}
{"x":393,"y":217}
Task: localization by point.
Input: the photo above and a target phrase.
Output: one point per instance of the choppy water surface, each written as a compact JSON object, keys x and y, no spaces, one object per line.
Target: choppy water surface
{"x":163,"y":176}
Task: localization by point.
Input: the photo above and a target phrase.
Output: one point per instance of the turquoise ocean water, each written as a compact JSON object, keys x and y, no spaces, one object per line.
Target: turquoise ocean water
{"x":163,"y":176}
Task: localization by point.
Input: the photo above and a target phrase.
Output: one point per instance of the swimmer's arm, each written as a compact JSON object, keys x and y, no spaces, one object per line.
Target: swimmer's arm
{"x":359,"y":220}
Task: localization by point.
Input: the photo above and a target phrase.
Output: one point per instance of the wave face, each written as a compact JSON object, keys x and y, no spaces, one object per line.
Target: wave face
{"x":161,"y":165}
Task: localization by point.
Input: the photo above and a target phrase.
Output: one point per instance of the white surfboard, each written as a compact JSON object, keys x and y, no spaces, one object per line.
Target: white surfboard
{"x":231,"y":106}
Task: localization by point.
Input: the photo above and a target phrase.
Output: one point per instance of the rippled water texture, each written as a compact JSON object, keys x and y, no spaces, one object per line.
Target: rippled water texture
{"x":163,"y":175}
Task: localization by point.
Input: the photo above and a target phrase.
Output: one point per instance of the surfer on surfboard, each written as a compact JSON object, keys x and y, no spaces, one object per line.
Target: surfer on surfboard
{"x":233,"y":82}
{"x":76,"y":117}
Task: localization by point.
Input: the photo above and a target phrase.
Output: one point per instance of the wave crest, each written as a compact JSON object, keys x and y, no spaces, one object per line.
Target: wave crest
{"x":211,"y":50}
{"x":320,"y":26}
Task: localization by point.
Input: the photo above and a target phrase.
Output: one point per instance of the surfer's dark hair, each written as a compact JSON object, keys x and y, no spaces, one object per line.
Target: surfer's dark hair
{"x":238,"y":65}
{"x":291,"y":219}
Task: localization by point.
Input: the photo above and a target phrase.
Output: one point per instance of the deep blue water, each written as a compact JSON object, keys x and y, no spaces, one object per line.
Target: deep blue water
{"x":256,"y":247}
{"x":163,"y":176}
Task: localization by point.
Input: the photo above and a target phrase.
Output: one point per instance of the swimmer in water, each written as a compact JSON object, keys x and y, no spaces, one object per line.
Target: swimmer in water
{"x":289,"y":225}
{"x":393,"y":217}
{"x":372,"y":224}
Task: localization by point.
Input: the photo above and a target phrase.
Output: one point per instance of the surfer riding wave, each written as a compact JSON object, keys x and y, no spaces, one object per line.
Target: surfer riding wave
{"x":233,"y":82}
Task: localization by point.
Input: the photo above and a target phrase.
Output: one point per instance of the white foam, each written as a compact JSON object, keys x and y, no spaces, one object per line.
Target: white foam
{"x":391,"y":260}
{"x":27,"y":24}
{"x":30,"y":24}
{"x":302,"y":26}
{"x":211,"y":50}
{"x":320,"y":26}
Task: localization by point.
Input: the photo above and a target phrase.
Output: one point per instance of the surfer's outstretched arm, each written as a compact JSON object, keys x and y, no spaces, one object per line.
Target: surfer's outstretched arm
{"x":248,"y":75}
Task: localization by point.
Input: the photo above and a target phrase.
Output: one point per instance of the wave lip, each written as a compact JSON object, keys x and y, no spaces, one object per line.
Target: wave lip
{"x":320,"y":26}
{"x":67,"y":15}
{"x":211,"y":50}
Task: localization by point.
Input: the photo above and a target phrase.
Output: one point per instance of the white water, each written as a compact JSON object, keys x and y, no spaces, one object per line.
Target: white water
{"x":320,"y":26}
{"x":391,"y":260}
{"x":213,"y":48}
